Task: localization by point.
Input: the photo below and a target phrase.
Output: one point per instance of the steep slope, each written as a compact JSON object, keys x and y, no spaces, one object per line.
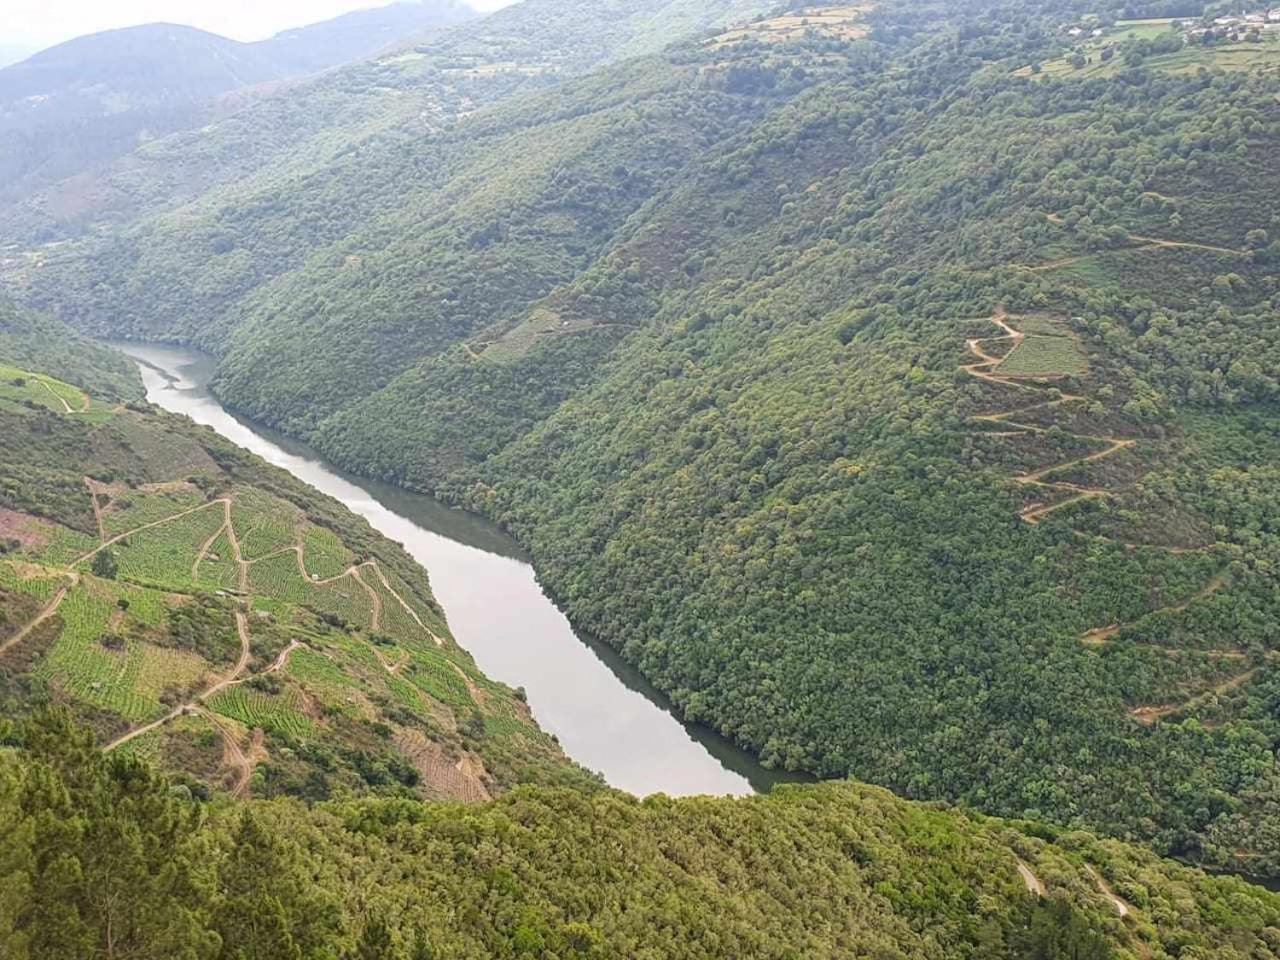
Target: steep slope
{"x":831,"y":871}
{"x":201,"y":608}
{"x":354,"y":125}
{"x":903,"y":413}
{"x":76,"y":106}
{"x":807,"y":498}
{"x":39,"y":342}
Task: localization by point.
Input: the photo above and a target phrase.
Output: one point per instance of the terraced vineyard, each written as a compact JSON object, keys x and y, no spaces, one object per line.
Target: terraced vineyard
{"x":217,"y":605}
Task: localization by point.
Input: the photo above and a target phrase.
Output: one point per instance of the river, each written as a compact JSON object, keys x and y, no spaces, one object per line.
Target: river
{"x":606,"y":716}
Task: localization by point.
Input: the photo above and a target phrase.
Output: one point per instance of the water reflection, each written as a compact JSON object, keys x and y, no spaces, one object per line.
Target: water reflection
{"x":607,"y":716}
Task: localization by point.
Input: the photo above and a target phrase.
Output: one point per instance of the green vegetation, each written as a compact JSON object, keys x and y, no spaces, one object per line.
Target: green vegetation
{"x":1044,"y":356}
{"x":1170,"y":45}
{"x":158,"y":630}
{"x":830,"y":871}
{"x":32,"y":341}
{"x":710,"y":331}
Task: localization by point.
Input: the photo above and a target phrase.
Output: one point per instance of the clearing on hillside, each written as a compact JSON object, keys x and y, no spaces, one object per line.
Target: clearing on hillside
{"x":1038,"y":355}
{"x":838,"y":22}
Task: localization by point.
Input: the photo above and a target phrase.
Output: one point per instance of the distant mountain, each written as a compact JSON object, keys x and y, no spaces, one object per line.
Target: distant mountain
{"x":72,"y":107}
{"x":13,"y":52}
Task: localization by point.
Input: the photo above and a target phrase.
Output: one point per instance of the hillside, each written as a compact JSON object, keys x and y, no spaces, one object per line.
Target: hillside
{"x":351,"y":126}
{"x":904,"y":413}
{"x":901,"y":414}
{"x":36,"y":341}
{"x":831,"y":871}
{"x":197,"y":607}
{"x":67,"y":110}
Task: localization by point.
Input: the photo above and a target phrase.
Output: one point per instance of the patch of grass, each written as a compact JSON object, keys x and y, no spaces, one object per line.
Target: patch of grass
{"x":324,"y":553}
{"x":1044,"y":356}
{"x":30,"y":580}
{"x":1041,"y":326}
{"x":279,"y":578}
{"x":265,"y":525}
{"x":23,"y":386}
{"x":434,"y":675}
{"x":162,"y":667}
{"x":65,"y":545}
{"x":218,"y":571}
{"x":130,"y":509}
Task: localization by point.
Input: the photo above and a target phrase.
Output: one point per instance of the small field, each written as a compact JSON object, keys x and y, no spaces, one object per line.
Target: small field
{"x":21,"y":386}
{"x":837,"y":22}
{"x":1045,"y":356}
{"x":1243,"y":56}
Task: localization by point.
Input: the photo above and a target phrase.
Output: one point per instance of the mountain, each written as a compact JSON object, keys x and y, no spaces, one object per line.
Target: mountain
{"x":13,"y":52}
{"x":825,"y":871}
{"x":903,"y":412}
{"x":35,"y":341}
{"x":371,"y":114}
{"x":202,"y":609}
{"x":79,"y":104}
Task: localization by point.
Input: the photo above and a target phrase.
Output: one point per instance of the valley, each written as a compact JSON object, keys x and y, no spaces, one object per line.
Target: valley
{"x":604,"y":714}
{"x":657,"y":479}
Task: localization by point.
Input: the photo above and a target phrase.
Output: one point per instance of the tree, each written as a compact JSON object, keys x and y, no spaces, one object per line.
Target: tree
{"x":105,"y":565}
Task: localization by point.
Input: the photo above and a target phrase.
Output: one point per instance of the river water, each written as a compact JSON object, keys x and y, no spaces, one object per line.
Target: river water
{"x":607,"y":717}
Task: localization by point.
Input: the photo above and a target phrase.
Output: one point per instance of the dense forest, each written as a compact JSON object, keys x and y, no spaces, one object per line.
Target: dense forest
{"x":105,"y":858}
{"x":903,"y":408}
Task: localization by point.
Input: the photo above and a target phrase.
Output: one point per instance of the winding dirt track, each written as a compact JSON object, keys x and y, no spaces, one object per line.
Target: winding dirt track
{"x":1122,"y":908}
{"x":985,"y":368}
{"x":97,"y":508}
{"x":1034,"y":886}
{"x":147,"y":526}
{"x":234,"y":753}
{"x":192,"y":706}
{"x":1100,"y":636}
{"x":1140,"y":243}
{"x":53,"y":393}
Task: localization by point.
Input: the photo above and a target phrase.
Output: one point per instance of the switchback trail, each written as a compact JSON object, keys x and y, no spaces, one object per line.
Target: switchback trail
{"x":1100,"y":636}
{"x":242,"y":629}
{"x":986,"y":369}
{"x":237,"y":675}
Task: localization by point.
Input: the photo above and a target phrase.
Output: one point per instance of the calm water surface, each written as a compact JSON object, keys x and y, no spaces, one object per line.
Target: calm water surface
{"x":606,"y":715}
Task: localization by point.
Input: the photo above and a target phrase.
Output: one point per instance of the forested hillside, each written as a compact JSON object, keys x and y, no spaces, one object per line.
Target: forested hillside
{"x":39,"y":342}
{"x":202,"y":609}
{"x":341,"y":138}
{"x":904,"y":407}
{"x":145,"y":870}
{"x":68,"y":110}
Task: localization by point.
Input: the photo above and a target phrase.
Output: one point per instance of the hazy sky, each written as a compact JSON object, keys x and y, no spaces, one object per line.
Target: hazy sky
{"x":42,"y":23}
